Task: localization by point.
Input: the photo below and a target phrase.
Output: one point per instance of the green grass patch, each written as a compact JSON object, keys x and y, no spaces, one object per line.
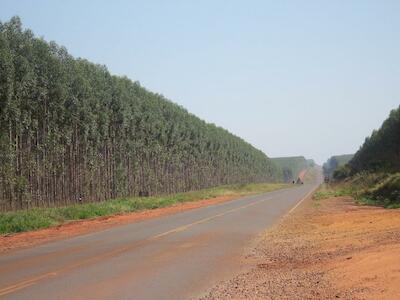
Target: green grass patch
{"x":26,"y":220}
{"x":327,"y":191}
{"x":377,"y":189}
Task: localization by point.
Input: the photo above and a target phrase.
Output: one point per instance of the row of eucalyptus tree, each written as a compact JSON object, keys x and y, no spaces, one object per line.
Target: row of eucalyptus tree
{"x":71,"y":132}
{"x":381,"y":150}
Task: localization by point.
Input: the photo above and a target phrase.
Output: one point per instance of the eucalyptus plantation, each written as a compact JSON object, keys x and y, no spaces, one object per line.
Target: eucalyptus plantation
{"x":380,"y":151}
{"x":71,"y":132}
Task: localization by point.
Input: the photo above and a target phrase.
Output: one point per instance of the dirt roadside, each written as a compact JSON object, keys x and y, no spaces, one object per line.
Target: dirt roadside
{"x":22,"y":240}
{"x":302,"y":174}
{"x":324,"y":250}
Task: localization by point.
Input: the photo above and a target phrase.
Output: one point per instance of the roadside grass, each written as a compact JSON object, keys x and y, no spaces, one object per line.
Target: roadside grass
{"x":37,"y":218}
{"x":376,"y":189}
{"x":328,"y":191}
{"x":383,"y":202}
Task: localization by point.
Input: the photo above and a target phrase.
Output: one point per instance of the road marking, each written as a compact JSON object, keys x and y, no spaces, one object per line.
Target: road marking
{"x":184,"y":227}
{"x":29,"y":282}
{"x":25,"y":283}
{"x":32,"y":281}
{"x":304,"y":198}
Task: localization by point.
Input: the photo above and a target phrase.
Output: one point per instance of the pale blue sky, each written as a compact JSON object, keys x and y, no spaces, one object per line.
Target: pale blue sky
{"x":309,"y":78}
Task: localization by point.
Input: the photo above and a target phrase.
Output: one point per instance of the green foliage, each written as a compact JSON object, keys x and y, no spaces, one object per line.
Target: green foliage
{"x":336,"y":163}
{"x":341,"y":172}
{"x":37,"y":218}
{"x":70,"y":132}
{"x":24,"y":220}
{"x":385,"y":192}
{"x":343,"y":159}
{"x":365,"y":180}
{"x":368,"y":188}
{"x":373,"y":172}
{"x":327,"y":191}
{"x":291,"y":166}
{"x":380,"y":151}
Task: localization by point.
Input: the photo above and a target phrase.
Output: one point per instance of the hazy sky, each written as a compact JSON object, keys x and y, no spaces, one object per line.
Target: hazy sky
{"x":309,"y":78}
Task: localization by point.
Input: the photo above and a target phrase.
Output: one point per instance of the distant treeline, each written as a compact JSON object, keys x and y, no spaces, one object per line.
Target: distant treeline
{"x":292,"y":166}
{"x":71,"y":132}
{"x":334,"y":163}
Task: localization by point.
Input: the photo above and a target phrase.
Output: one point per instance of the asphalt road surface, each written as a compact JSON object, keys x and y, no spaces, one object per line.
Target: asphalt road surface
{"x":172,"y":257}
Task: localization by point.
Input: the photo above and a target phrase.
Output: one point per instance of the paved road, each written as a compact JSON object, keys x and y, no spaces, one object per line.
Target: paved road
{"x":171,"y":257}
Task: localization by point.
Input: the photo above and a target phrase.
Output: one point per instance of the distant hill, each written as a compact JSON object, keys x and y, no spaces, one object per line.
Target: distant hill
{"x":335,"y":162}
{"x":291,"y":166}
{"x":311,"y":163}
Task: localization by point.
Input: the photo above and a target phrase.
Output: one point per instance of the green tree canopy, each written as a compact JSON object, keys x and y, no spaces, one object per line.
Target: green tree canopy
{"x":72,"y":132}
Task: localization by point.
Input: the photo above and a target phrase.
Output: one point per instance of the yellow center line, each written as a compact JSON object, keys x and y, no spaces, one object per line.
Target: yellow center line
{"x":184,"y":227}
{"x":25,"y":283}
{"x":34,"y":280}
